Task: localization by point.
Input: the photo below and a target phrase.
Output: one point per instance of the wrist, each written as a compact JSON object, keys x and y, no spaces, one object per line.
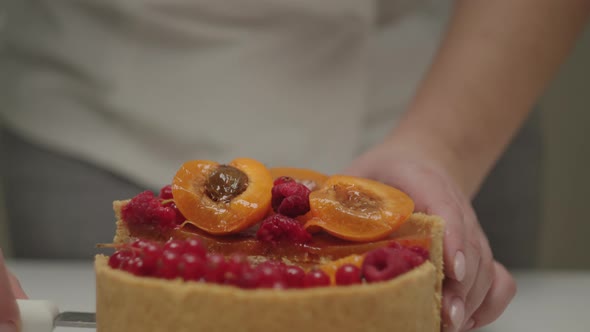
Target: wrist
{"x":426,"y":148}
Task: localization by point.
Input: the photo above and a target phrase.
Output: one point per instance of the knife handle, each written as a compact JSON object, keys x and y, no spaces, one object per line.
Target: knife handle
{"x":37,"y":315}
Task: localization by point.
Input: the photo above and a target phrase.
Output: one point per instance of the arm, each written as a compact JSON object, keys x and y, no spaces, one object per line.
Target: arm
{"x":495,"y":61}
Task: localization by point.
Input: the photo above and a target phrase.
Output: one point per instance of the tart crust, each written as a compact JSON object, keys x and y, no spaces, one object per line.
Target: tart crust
{"x":409,"y":303}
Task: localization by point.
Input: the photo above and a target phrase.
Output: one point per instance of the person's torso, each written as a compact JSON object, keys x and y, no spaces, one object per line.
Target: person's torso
{"x":139,"y":87}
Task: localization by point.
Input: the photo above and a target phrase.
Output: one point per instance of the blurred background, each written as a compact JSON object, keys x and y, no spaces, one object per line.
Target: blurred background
{"x":544,"y":176}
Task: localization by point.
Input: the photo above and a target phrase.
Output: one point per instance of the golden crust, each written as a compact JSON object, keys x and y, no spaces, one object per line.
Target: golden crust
{"x":410,"y":302}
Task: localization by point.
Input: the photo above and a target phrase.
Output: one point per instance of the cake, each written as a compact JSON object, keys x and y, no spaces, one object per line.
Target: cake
{"x":297,"y":251}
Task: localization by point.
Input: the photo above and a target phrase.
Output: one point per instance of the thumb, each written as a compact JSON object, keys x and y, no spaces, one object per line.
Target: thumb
{"x":9,"y":314}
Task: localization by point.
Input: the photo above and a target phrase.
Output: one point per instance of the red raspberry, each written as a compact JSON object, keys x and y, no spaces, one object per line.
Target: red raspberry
{"x":384,"y":264}
{"x":348,"y":274}
{"x":283,"y":179}
{"x":421,"y":251}
{"x":166,"y":192}
{"x":278,"y":228}
{"x":316,"y":278}
{"x":147,"y":210}
{"x":180,"y":218}
{"x":290,"y":198}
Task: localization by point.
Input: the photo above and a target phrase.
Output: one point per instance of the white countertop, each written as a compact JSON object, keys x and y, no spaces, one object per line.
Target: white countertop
{"x":547,"y":301}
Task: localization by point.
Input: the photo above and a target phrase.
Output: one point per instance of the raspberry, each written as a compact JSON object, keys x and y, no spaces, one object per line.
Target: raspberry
{"x":193,"y":266}
{"x":290,"y":198}
{"x":283,"y":179}
{"x":166,"y":192}
{"x":316,"y":278}
{"x":148,"y":210}
{"x":384,"y":264}
{"x":421,"y":251}
{"x":278,"y":228}
{"x":294,"y":276}
{"x":180,"y":218}
{"x":348,"y":274}
{"x":395,"y":245}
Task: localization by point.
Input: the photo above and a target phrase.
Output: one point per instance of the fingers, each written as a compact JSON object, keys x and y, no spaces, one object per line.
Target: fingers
{"x":9,"y":314}
{"x":483,"y":280}
{"x":17,"y":289}
{"x":500,"y":294}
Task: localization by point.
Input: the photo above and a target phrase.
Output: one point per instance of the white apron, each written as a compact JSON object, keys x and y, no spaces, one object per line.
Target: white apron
{"x":139,"y":86}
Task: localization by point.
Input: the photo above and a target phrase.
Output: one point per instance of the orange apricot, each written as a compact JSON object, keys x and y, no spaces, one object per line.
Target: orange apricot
{"x":358,"y":209}
{"x":310,"y":178}
{"x":223,"y":199}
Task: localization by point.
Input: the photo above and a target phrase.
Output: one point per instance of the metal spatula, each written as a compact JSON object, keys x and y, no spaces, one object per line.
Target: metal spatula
{"x":44,"y":316}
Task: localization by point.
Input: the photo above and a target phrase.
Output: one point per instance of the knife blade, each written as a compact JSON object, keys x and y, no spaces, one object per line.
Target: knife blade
{"x":44,"y":316}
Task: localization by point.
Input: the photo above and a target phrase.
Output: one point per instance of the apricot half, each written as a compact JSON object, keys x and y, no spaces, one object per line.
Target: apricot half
{"x":223,"y":199}
{"x":310,"y":178}
{"x":358,"y":209}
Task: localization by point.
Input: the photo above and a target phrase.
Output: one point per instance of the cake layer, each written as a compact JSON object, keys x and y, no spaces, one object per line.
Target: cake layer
{"x":126,"y":303}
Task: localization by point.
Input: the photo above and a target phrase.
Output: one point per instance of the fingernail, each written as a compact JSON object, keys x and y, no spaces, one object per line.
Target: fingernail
{"x":470,"y":324}
{"x":7,"y":327}
{"x":457,"y":312}
{"x":459,"y":266}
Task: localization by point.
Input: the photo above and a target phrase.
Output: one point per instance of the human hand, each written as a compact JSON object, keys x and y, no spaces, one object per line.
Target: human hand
{"x":477,"y":289}
{"x":10,"y":290}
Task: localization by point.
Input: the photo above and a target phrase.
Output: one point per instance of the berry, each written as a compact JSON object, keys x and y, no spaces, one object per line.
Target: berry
{"x":166,"y":192}
{"x":394,"y":245}
{"x":316,"y":278}
{"x":290,"y":198}
{"x":193,"y":266}
{"x":169,"y":263}
{"x":248,"y":278}
{"x":235,"y":265}
{"x":215,"y":268}
{"x":177,"y":246}
{"x":117,"y":259}
{"x":421,"y":251}
{"x":294,"y":276}
{"x":194,"y":246}
{"x":145,"y":209}
{"x":270,"y":276}
{"x":384,"y":264}
{"x":283,"y":179}
{"x":150,"y":255}
{"x":180,"y":218}
{"x":348,"y":274}
{"x":278,"y":228}
{"x":136,"y":266}
{"x":139,"y":244}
